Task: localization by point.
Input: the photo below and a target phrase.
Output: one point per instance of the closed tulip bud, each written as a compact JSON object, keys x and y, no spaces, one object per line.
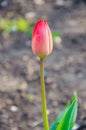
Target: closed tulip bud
{"x":42,"y":44}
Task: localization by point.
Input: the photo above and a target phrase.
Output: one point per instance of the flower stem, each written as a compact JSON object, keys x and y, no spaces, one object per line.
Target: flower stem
{"x":44,"y":108}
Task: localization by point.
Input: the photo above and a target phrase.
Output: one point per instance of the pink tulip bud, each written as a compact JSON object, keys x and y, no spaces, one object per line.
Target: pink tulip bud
{"x":42,"y":44}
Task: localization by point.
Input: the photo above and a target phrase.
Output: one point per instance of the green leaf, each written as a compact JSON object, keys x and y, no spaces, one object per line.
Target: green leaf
{"x":67,"y":117}
{"x":58,"y":119}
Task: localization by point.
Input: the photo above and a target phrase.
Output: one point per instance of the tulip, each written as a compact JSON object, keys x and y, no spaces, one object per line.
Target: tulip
{"x":42,"y":44}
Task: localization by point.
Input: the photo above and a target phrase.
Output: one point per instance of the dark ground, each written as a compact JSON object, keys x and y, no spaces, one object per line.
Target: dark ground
{"x":65,"y":69}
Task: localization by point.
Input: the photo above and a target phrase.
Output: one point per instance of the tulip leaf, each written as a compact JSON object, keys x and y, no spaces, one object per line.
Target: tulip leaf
{"x":66,"y":119}
{"x":59,"y":118}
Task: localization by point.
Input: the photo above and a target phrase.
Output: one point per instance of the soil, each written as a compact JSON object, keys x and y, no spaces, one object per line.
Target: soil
{"x":65,"y":69}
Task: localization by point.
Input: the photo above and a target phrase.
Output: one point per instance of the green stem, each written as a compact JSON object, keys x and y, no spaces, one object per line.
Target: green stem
{"x":44,"y":108}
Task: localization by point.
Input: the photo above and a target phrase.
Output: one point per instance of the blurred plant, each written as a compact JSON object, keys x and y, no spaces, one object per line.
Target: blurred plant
{"x":57,"y":38}
{"x":30,"y":97}
{"x":24,"y":25}
{"x":42,"y":47}
{"x":55,"y":34}
{"x":19,"y":25}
